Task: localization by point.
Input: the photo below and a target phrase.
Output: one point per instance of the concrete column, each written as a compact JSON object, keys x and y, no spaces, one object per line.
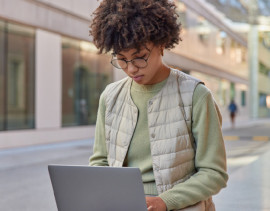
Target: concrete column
{"x":48,"y":80}
{"x":253,"y":70}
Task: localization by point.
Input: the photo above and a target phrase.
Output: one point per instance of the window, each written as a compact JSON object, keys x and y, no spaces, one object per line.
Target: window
{"x":232,"y":90}
{"x":264,"y":70}
{"x":238,"y":53}
{"x":17,"y":76}
{"x":204,"y":29}
{"x":266,"y":40}
{"x":85,"y":75}
{"x":243,"y":98}
{"x":224,"y":87}
{"x":2,"y":56}
{"x":220,"y":42}
{"x":262,"y":100}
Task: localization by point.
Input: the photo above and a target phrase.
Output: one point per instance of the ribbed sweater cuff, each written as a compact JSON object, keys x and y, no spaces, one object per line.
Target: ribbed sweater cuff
{"x":169,"y":201}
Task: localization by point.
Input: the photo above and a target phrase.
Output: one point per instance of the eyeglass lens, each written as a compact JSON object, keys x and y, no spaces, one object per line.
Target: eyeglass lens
{"x":119,"y":63}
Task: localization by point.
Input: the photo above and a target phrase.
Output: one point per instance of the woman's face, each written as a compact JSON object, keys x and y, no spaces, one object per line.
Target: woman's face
{"x":154,"y":71}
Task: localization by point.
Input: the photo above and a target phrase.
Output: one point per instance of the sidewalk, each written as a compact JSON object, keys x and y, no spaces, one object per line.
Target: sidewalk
{"x":257,"y":130}
{"x":248,"y":162}
{"x":248,"y":187}
{"x":245,"y":123}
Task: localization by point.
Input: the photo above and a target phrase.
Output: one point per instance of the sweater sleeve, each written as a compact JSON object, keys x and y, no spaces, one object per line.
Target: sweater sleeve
{"x":99,"y":157}
{"x":210,"y":156}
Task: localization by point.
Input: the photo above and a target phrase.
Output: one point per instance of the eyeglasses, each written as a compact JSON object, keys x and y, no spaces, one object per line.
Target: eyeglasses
{"x":139,"y":62}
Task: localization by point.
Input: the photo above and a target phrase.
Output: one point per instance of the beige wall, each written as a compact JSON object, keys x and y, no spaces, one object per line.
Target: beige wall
{"x":264,"y":81}
{"x":264,"y":55}
{"x":47,"y":17}
{"x":82,"y":7}
{"x":193,"y":48}
{"x":264,"y":84}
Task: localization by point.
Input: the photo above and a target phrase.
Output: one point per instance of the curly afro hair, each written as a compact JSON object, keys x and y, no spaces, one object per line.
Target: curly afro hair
{"x":125,"y":24}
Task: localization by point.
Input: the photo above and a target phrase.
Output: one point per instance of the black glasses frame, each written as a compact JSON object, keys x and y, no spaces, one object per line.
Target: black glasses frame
{"x":131,"y":61}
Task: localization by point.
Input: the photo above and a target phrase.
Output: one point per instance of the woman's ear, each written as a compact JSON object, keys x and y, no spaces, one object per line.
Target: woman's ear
{"x":162,"y":50}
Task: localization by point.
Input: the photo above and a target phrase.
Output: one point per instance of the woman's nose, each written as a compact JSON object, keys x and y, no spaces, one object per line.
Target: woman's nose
{"x":131,"y":68}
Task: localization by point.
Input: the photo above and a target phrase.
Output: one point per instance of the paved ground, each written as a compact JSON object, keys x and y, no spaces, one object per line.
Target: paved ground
{"x":24,"y":180}
{"x":25,"y":183}
{"x":248,"y":167}
{"x":256,"y":132}
{"x":249,"y":185}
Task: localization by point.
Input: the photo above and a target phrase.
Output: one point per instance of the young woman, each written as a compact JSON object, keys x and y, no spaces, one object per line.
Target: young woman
{"x":157,"y":119}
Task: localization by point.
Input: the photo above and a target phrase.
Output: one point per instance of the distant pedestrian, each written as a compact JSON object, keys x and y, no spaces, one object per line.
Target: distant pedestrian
{"x":158,"y":119}
{"x":233,"y":110}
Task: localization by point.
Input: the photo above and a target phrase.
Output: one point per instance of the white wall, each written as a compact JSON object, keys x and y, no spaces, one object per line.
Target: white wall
{"x":48,"y":80}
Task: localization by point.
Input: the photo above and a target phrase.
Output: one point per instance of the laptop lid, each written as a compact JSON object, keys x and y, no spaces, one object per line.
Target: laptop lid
{"x":85,"y":188}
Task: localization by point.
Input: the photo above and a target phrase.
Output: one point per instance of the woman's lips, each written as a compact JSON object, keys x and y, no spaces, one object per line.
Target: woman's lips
{"x":137,"y":78}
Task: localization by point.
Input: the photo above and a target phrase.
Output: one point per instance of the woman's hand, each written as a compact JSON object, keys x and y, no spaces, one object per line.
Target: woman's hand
{"x":155,"y":204}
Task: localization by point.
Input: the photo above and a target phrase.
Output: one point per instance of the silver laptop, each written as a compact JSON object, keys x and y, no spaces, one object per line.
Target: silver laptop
{"x":85,"y":188}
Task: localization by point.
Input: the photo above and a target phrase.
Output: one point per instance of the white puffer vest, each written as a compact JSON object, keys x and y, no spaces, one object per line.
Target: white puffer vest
{"x":169,"y":122}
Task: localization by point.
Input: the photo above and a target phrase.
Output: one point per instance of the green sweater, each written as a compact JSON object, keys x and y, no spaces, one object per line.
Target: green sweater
{"x":210,"y":152}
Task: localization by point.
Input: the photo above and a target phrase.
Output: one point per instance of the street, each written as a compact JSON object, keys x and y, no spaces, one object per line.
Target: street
{"x":25,"y":183}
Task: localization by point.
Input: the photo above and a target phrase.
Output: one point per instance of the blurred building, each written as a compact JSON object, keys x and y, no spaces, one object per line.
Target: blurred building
{"x":51,"y":75}
{"x":251,"y":19}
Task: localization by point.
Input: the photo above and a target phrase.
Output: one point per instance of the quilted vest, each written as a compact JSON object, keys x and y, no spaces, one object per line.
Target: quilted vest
{"x":169,"y":121}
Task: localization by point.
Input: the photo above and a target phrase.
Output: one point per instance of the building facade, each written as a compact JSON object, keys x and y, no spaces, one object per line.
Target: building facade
{"x":51,"y":75}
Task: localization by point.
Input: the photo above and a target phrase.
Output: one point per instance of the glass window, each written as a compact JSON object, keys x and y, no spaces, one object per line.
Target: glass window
{"x":85,"y":75}
{"x":264,"y":69}
{"x":266,"y":40}
{"x":17,"y":61}
{"x":238,"y":53}
{"x":224,"y":86}
{"x":2,"y":48}
{"x":262,"y":100}
{"x":204,"y":30}
{"x":220,"y":42}
{"x":243,"y":98}
{"x":20,"y":77}
{"x":232,"y":90}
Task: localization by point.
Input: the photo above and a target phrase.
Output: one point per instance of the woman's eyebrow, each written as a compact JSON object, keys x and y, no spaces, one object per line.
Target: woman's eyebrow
{"x":139,"y":51}
{"x":136,"y":52}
